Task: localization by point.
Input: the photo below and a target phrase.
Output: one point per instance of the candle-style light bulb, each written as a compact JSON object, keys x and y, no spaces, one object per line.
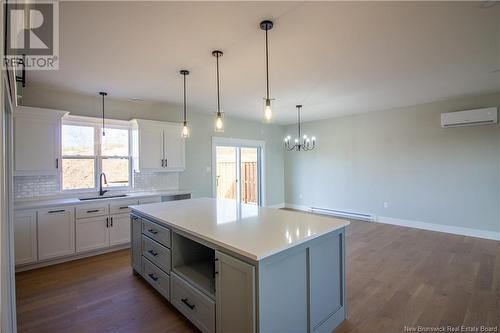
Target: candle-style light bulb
{"x":219,"y":123}
{"x":185,"y":130}
{"x":268,"y":113}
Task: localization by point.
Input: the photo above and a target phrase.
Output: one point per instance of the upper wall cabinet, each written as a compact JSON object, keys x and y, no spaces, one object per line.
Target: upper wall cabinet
{"x":37,"y":141}
{"x":157,"y":146}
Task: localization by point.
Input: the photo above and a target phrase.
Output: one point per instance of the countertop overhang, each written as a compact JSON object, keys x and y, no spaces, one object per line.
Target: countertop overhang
{"x":249,"y":230}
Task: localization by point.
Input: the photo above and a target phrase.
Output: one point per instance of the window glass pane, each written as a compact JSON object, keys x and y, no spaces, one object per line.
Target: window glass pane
{"x":226,"y":172}
{"x":249,"y":175}
{"x":78,"y":173}
{"x":77,"y":140}
{"x":116,"y":170}
{"x":115,"y":142}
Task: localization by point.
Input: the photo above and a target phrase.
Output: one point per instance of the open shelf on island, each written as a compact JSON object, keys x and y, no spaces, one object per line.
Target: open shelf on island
{"x":194,"y":262}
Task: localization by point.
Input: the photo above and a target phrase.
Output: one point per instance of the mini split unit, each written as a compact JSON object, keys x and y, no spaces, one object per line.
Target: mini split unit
{"x":484,"y":116}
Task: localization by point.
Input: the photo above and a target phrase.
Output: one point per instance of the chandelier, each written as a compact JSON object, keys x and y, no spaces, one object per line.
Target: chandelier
{"x":303,"y":143}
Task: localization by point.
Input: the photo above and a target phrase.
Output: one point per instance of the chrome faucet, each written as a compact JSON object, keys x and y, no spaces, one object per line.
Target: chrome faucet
{"x":101,"y":178}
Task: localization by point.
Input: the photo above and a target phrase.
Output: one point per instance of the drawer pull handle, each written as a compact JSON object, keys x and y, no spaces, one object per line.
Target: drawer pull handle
{"x":189,"y":305}
{"x":57,"y":211}
{"x":93,"y":211}
{"x":154,"y":232}
{"x":153,"y":253}
{"x":152,"y":276}
{"x":123,"y":207}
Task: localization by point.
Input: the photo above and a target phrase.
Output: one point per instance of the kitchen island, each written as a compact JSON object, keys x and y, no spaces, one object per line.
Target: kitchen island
{"x":232,"y":267}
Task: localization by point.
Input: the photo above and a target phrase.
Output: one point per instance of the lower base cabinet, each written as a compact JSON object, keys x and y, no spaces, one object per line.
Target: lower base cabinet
{"x":25,"y":250}
{"x":92,"y":233}
{"x":56,"y":232}
{"x":156,"y":277}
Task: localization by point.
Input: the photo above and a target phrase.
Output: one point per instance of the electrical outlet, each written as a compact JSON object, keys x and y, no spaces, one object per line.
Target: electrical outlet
{"x":386,"y":204}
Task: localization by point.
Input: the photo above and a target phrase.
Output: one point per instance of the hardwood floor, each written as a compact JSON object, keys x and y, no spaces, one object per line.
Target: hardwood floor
{"x":396,"y":277}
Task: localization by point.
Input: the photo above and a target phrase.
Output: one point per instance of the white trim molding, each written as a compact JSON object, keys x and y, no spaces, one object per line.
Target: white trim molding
{"x":463,"y":231}
{"x":280,"y":205}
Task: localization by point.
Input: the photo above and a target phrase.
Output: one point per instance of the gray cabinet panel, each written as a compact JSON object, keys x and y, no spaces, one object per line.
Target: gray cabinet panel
{"x":136,"y":234}
{"x":235,"y":294}
{"x":283,"y":293}
{"x":326,"y":271}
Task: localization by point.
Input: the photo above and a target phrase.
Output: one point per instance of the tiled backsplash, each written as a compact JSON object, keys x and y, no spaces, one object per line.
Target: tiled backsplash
{"x":36,"y":186}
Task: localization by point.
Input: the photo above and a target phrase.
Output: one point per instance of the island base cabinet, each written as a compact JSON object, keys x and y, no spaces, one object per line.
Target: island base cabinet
{"x":235,"y":294}
{"x":197,"y":307}
{"x":156,"y":277}
{"x":56,"y":232}
{"x":136,"y":234}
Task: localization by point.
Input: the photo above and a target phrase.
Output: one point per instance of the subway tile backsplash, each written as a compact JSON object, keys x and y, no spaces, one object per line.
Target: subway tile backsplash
{"x":39,"y":186}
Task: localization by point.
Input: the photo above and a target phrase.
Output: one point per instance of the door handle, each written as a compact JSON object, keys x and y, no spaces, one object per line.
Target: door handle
{"x":111,"y":221}
{"x":153,"y":252}
{"x":57,"y":163}
{"x":154,"y":232}
{"x":56,"y":211}
{"x":107,"y":222}
{"x":93,"y":211}
{"x":162,"y":162}
{"x":166,"y":162}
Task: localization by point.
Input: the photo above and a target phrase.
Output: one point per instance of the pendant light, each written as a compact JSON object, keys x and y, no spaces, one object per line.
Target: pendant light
{"x":103,"y":94}
{"x":268,"y":113}
{"x":185,"y":128}
{"x":219,"y":116}
{"x":300,"y":143}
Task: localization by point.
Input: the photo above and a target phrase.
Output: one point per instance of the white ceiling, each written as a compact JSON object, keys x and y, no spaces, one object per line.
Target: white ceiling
{"x":336,"y":58}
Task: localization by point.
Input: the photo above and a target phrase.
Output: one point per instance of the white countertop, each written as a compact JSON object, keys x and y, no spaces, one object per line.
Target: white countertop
{"x":251,"y":231}
{"x":68,"y":201}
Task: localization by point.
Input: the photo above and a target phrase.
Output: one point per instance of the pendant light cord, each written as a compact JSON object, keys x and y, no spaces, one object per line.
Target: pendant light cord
{"x":103,"y":133}
{"x":298,"y":118}
{"x":218,"y":95}
{"x":184,"y":99}
{"x":267,"y":66}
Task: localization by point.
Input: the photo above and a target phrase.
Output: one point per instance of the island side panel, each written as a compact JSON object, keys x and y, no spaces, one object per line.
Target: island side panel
{"x":326,"y":276}
{"x":283,"y":292}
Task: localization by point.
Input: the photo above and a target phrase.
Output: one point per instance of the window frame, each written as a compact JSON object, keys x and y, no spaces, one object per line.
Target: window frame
{"x":96,"y":124}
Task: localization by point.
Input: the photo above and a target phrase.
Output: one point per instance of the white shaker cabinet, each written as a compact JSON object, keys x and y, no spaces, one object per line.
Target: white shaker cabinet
{"x":37,"y":141}
{"x":25,"y":244}
{"x":92,"y":233}
{"x":119,"y":231}
{"x":157,"y":146}
{"x":56,"y":232}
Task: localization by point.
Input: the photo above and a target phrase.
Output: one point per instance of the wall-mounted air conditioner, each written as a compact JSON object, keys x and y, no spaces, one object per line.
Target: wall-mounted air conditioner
{"x":484,"y":116}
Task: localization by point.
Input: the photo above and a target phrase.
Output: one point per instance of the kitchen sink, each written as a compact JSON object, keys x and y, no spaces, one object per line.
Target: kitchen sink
{"x":104,"y":197}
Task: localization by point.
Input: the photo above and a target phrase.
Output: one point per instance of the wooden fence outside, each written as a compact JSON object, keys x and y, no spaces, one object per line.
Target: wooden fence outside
{"x":226,"y":181}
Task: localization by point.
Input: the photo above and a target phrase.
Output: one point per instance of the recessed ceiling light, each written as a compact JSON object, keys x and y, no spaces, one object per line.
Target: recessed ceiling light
{"x":136,"y":99}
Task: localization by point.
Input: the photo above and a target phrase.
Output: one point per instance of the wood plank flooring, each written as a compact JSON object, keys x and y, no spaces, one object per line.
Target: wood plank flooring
{"x":396,"y":277}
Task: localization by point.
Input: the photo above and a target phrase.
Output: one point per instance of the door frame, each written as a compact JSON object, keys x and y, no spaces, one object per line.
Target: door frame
{"x":242,"y":143}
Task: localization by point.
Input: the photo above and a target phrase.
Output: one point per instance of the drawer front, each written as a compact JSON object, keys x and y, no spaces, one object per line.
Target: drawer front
{"x":91,"y":210}
{"x":156,"y":232}
{"x":193,"y":304}
{"x":118,"y":207}
{"x":156,"y":277}
{"x":156,"y":253}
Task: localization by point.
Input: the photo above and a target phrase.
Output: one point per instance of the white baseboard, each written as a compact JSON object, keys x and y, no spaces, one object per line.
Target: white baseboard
{"x":280,"y":205}
{"x":440,"y":228}
{"x":486,"y":234}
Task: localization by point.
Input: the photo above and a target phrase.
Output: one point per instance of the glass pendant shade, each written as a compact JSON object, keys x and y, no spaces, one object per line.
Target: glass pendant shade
{"x":185,"y":130}
{"x":268,"y":113}
{"x":219,"y":122}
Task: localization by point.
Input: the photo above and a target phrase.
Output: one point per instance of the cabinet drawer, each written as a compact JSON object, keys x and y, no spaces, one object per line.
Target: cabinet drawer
{"x":91,"y":210}
{"x":118,"y":207}
{"x":193,"y":304}
{"x":156,"y":277}
{"x":156,"y":232}
{"x":156,"y":253}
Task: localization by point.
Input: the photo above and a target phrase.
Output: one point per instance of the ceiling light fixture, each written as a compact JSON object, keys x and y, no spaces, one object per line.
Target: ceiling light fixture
{"x":185,"y":128}
{"x":268,"y":113}
{"x":303,"y":143}
{"x":219,"y":116}
{"x":103,"y":94}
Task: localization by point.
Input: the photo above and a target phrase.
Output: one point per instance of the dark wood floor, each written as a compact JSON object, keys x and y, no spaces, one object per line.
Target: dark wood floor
{"x":396,"y":277}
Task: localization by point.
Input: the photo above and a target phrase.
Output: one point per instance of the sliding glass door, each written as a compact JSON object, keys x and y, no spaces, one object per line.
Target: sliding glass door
{"x":238,"y":173}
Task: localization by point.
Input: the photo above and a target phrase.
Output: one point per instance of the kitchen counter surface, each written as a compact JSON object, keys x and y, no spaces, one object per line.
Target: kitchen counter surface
{"x":251,"y":231}
{"x":69,"y":201}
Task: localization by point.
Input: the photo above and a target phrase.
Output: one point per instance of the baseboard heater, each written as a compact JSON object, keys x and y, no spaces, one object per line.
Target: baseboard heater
{"x":340,"y":213}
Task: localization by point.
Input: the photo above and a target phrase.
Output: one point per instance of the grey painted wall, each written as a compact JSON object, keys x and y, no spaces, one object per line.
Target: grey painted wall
{"x":196,"y":177}
{"x":402,"y":157}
